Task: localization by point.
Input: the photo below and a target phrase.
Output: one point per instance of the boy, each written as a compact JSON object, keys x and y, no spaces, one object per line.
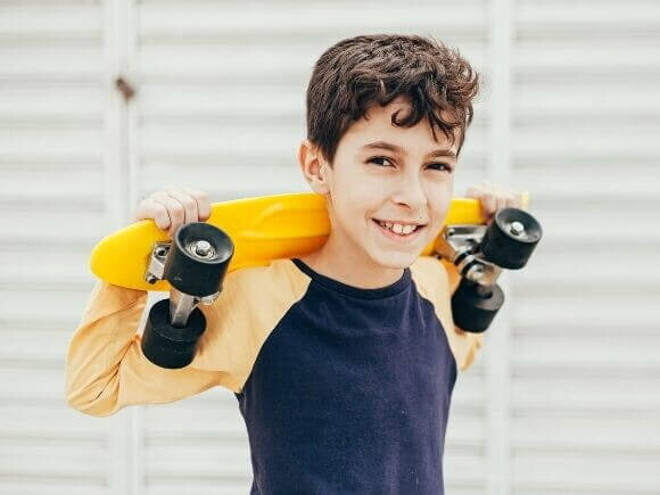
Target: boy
{"x":343,"y":362}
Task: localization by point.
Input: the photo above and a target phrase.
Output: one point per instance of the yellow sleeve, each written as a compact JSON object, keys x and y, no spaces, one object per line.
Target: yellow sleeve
{"x":438,"y":282}
{"x":106,"y":370}
{"x":105,"y":367}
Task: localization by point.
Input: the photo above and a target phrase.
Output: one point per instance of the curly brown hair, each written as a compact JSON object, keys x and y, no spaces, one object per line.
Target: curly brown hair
{"x":356,"y":73}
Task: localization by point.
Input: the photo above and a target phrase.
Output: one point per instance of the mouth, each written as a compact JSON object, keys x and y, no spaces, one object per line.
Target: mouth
{"x":399,"y":229}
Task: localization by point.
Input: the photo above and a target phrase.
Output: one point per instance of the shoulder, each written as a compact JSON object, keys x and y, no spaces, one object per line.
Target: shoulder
{"x":435,"y":283}
{"x":252,"y":302}
{"x":272,"y":282}
{"x":430,"y":276}
{"x":432,"y":282}
{"x":260,"y":293}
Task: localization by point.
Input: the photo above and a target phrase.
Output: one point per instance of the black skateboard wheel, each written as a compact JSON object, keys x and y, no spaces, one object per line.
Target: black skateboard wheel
{"x":168,"y":346}
{"x":511,"y":238}
{"x":198,"y":259}
{"x":474,"y":306}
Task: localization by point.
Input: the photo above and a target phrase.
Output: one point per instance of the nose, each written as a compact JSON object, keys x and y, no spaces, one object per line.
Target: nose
{"x":410,"y":192}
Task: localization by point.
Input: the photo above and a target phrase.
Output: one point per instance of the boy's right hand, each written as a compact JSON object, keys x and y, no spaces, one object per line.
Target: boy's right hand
{"x":172,"y":207}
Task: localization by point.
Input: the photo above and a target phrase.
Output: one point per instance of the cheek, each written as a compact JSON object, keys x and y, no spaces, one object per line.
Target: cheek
{"x":440,"y":198}
{"x":350,"y":204}
{"x":359,"y":195}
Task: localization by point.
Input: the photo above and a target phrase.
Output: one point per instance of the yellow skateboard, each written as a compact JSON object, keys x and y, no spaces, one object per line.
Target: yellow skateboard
{"x":254,"y":231}
{"x":262,"y":229}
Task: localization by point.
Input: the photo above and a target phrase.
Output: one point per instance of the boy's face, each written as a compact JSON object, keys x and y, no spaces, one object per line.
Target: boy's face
{"x":382,"y":173}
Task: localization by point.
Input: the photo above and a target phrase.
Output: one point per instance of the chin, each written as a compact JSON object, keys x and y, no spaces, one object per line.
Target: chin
{"x":394,"y":261}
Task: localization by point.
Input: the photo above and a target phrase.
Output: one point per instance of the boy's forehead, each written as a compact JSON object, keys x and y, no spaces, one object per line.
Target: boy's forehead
{"x":377,"y":127}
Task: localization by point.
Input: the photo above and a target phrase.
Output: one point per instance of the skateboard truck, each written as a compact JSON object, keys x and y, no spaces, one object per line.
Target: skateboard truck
{"x":195,"y":264}
{"x":480,"y":253}
{"x":181,"y":305}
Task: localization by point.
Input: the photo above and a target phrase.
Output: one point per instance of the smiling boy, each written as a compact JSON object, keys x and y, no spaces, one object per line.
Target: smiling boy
{"x":343,"y":362}
{"x":380,"y":175}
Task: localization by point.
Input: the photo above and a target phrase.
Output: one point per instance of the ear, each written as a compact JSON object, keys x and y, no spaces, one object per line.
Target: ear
{"x":314,"y":167}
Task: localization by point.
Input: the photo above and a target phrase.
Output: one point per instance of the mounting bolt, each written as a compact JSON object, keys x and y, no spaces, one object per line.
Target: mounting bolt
{"x":517,"y":228}
{"x":203,"y":248}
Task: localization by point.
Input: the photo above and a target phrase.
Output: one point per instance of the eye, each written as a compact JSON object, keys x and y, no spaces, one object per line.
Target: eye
{"x":441,"y":166}
{"x":376,"y":159}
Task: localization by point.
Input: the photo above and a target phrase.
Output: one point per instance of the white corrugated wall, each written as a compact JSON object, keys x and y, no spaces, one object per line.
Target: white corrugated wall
{"x":564,"y":398}
{"x":54,"y":204}
{"x":584,"y":366}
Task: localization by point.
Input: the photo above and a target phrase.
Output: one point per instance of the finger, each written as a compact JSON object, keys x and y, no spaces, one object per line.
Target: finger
{"x":472,"y":192}
{"x":488,"y":205}
{"x":160,"y":215}
{"x":203,"y":203}
{"x":187,"y":202}
{"x":511,"y":201}
{"x":174,"y":209}
{"x":151,"y":210}
{"x":475,"y":191}
{"x":141,"y":211}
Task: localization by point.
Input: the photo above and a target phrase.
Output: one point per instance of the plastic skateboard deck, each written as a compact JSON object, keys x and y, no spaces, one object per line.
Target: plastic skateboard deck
{"x":262,"y":229}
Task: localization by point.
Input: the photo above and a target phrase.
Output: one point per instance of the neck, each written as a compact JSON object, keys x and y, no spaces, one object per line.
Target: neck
{"x":344,"y":264}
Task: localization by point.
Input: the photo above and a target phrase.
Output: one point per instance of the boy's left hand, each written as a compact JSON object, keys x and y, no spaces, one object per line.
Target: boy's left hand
{"x":493,"y":197}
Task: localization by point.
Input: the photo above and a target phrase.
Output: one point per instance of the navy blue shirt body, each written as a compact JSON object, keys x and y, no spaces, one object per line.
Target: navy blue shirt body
{"x":350,"y":393}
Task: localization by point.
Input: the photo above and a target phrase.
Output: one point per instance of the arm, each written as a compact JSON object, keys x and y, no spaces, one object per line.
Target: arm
{"x":492,"y":198}
{"x":470,"y":342}
{"x":437,"y":281}
{"x":105,"y":368}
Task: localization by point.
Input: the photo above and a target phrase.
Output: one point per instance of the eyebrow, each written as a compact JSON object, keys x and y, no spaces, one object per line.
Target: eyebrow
{"x":397,"y":149}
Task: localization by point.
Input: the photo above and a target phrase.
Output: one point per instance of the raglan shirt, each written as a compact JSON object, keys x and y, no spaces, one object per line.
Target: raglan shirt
{"x":343,"y":390}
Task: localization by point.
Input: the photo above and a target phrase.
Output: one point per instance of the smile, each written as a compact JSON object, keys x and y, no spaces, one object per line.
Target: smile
{"x":399,"y":230}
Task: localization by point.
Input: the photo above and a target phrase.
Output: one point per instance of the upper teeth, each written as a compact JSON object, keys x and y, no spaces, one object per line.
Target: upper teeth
{"x":399,"y":228}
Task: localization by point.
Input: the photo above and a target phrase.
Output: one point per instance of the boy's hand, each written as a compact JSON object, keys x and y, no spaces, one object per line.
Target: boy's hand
{"x":173,"y":207}
{"x":494,"y":198}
